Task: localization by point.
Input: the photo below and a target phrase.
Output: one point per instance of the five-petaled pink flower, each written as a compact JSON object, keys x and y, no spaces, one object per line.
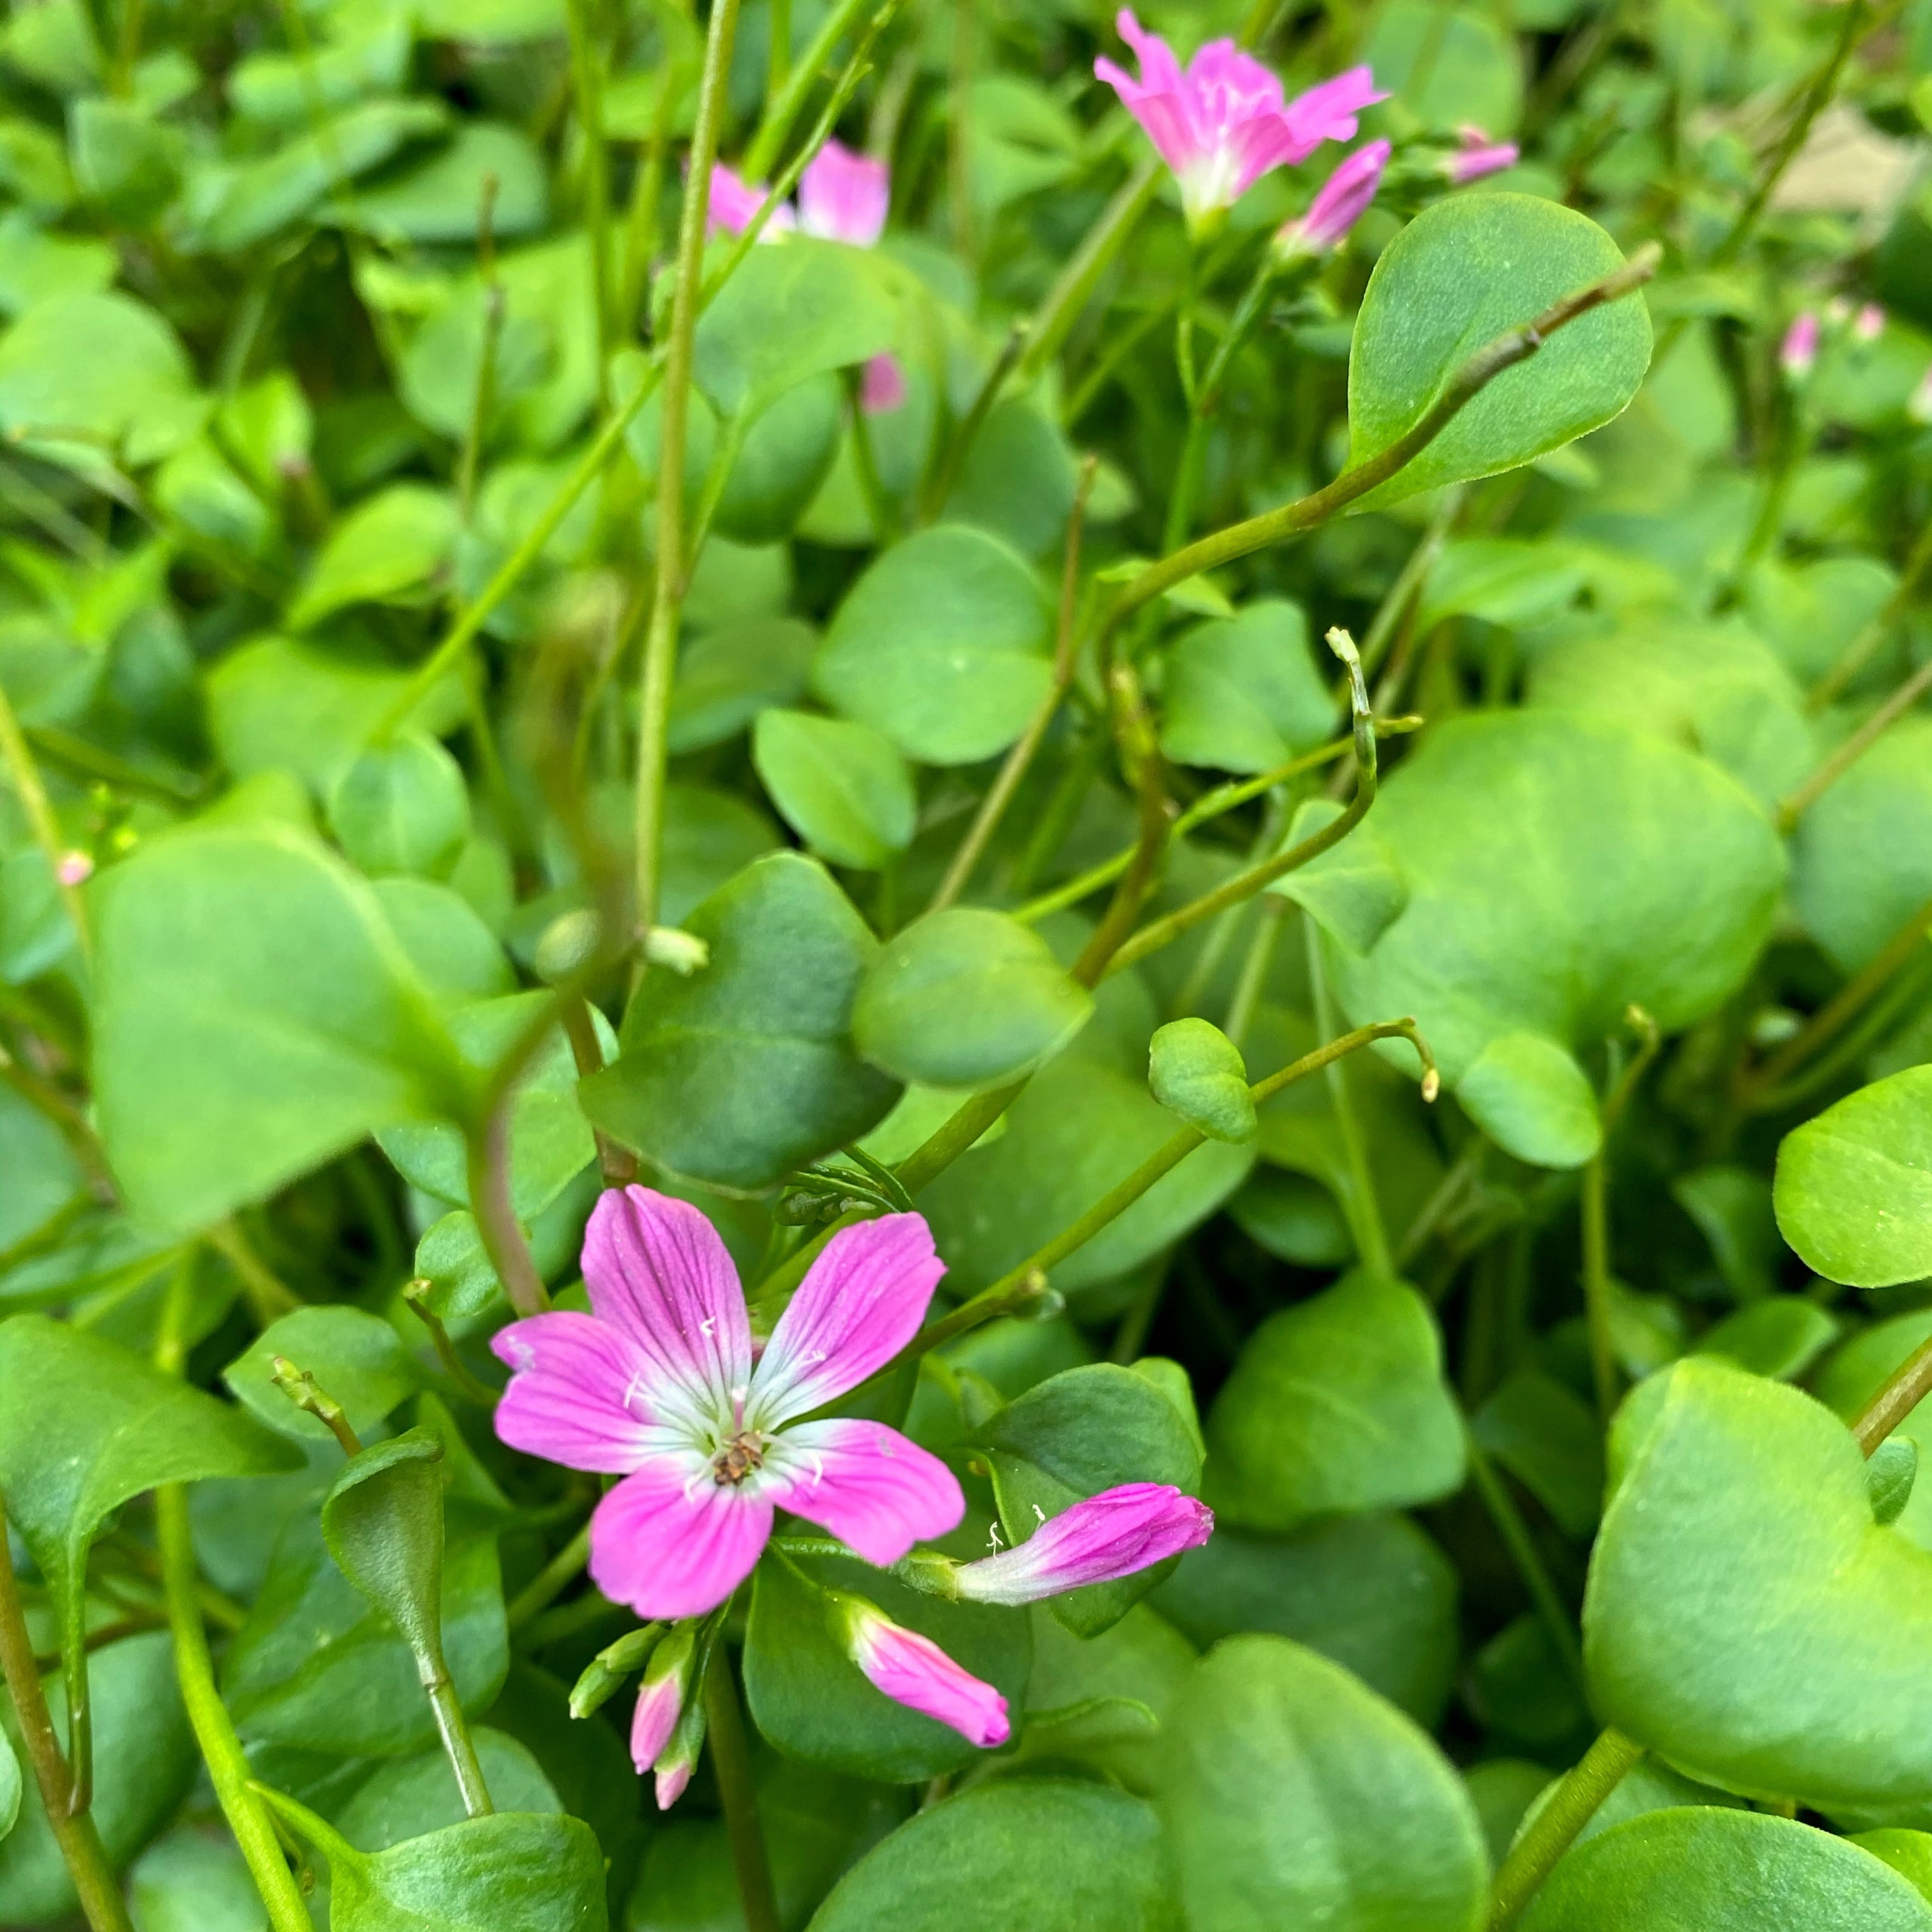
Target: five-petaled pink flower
{"x":1477,"y":156}
{"x":1339,"y":204}
{"x":657,"y":1384}
{"x":1098,"y":1541}
{"x":1222,"y":123}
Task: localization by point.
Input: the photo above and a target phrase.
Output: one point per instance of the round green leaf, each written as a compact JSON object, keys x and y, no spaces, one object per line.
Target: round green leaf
{"x":727,"y":676}
{"x":1724,"y":1871}
{"x":1018,"y":478}
{"x":1195,"y":1071}
{"x":1293,"y":1796}
{"x":1854,"y":1188}
{"x":1908,"y":1853}
{"x":387,"y":548}
{"x":784,"y":458}
{"x":356,"y":1358}
{"x":745,"y":1069}
{"x":965,"y":999}
{"x":941,"y":645}
{"x":1050,"y":1855}
{"x":1729,"y":1491}
{"x":190,"y":1880}
{"x":842,"y":787}
{"x":402,"y":807}
{"x":1243,"y":694}
{"x":1461,"y":273}
{"x":1532,"y":1100}
{"x":1336,"y":1404}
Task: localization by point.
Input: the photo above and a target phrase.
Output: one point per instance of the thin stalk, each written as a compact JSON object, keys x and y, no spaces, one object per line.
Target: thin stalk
{"x":550,"y":1582}
{"x":1020,"y":759}
{"x":1902,"y":1391}
{"x":76,"y":1835}
{"x":1852,"y":659}
{"x":415,"y":1298}
{"x":640,"y":219}
{"x":881,"y":512}
{"x":731,"y":1763}
{"x":1501,"y":1506}
{"x":1595,"y":1220}
{"x":779,"y":116}
{"x":483,"y":398}
{"x":1854,"y":747}
{"x":1253,"y":975}
{"x":778,"y":56}
{"x":1306,"y":513}
{"x":1140,"y":757}
{"x":946,"y":471}
{"x":661,"y":633}
{"x":24,"y":774}
{"x":617,"y":1163}
{"x":586,"y":83}
{"x":269,"y":1297}
{"x":1364,"y":1215}
{"x":488,"y":1161}
{"x":1554,"y":1830}
{"x":457,"y":1745}
{"x":1397,"y":599}
{"x":1060,"y":310}
{"x":959,"y":126}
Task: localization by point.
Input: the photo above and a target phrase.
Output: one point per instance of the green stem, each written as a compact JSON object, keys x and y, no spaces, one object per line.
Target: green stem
{"x":667,"y":593}
{"x":1902,"y":1392}
{"x":1510,"y":1526}
{"x":457,"y":1745}
{"x":1060,"y":310}
{"x":228,"y":1768}
{"x":1552,"y":1833}
{"x":1595,"y":1224}
{"x":555,"y":1577}
{"x":1854,"y":749}
{"x":1364,"y":1213}
{"x":76,"y":1835}
{"x":1852,"y":659}
{"x":488,"y":1149}
{"x":17,"y":757}
{"x":731,"y":1763}
{"x":959,"y":126}
{"x":778,"y":57}
{"x":778,"y":119}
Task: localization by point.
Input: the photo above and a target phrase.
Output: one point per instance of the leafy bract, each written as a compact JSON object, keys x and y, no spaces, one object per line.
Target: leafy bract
{"x":1461,"y":273}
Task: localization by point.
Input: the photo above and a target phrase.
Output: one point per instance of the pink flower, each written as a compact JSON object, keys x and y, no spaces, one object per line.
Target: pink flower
{"x":1339,"y":204}
{"x":661,"y":1699}
{"x":74,"y":868}
{"x":913,"y":1671}
{"x":1799,"y":349}
{"x":1108,"y":1536}
{"x":844,"y":196}
{"x":884,"y":386}
{"x":735,"y":201}
{"x":1478,"y":155}
{"x":657,"y":1384}
{"x":1222,"y":124}
{"x":1869,"y":325}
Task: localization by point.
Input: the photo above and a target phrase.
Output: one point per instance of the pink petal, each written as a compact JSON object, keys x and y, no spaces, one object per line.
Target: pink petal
{"x":866,"y":1483}
{"x":1107,"y":1536}
{"x":656,"y":1268}
{"x":844,"y":196}
{"x":671,"y":1784}
{"x":658,"y":1705}
{"x":883,"y":389}
{"x":862,"y":1303}
{"x":1159,"y":67}
{"x":1229,"y":84}
{"x":1162,"y":113}
{"x":570,"y":1399}
{"x":671,"y":1541}
{"x":913,"y":1671}
{"x":1327,"y":113}
{"x":732,"y":203}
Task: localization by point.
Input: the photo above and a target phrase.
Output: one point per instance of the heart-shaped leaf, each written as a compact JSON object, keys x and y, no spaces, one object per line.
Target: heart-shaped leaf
{"x":1294,"y":1796}
{"x":843,"y":788}
{"x":1243,"y":694}
{"x":388,"y":547}
{"x":1729,"y":1491}
{"x":1195,"y":1071}
{"x":355,"y":1357}
{"x":1461,"y":273}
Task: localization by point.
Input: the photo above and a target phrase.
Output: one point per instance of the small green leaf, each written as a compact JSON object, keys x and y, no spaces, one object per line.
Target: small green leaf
{"x":1195,"y":1071}
{"x":387,"y":549}
{"x":1355,"y":892}
{"x":355,"y":1357}
{"x":727,"y":676}
{"x":1780,"y":1336}
{"x":402,"y":807}
{"x":965,"y":999}
{"x":1336,"y":1404}
{"x":1243,"y":694}
{"x":781,"y":462}
{"x":842,"y":787}
{"x":1544,"y":1434}
{"x":1889,"y":1473}
{"x":383,"y":1521}
{"x":1463,"y":271}
{"x":1532,"y":1100}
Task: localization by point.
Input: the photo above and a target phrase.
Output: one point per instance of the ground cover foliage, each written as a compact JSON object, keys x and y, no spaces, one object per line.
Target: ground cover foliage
{"x":1298,"y":729}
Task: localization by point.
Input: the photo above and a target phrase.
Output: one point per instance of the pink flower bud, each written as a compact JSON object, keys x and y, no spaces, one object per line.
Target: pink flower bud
{"x":913,"y":1671}
{"x":1339,"y":204}
{"x":1109,"y":1536}
{"x":883,"y":387}
{"x":74,"y":868}
{"x":656,"y":1726}
{"x":844,"y":196}
{"x":1478,"y":155}
{"x":1799,"y":349}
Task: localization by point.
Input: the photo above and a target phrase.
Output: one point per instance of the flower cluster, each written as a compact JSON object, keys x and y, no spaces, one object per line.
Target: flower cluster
{"x":660,"y":1386}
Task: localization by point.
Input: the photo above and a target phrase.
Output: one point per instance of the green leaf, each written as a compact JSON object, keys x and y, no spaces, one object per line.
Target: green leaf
{"x":1891,"y":1472}
{"x":356,"y":1359}
{"x":1243,"y":694}
{"x":10,"y":1786}
{"x":1293,"y":1796}
{"x":782,"y":460}
{"x":1101,"y":1700}
{"x":1853,"y":1187}
{"x":389,"y":548}
{"x":1195,"y":1071}
{"x":513,"y":1872}
{"x":1503,"y":580}
{"x":812,"y":1702}
{"x":189,"y":1881}
{"x":1780,"y":1337}
{"x":1724,"y":1871}
{"x":1018,"y":478}
{"x":407,"y":1797}
{"x":254,"y":1017}
{"x":727,"y":676}
{"x":1546,"y":1437}
{"x":786,"y":314}
{"x":1370,"y":1593}
{"x":1531,"y":1098}
{"x":145,"y":1761}
{"x":1052,"y":1856}
{"x":1463,"y":271}
{"x":1908,"y":1853}
{"x":437,"y":200}
{"x":125,"y":160}
{"x":965,"y":999}
{"x":1553,"y":881}
{"x":746,"y":1069}
{"x":1336,"y":1404}
{"x":86,"y":1426}
{"x":402,"y":807}
{"x":842,"y":787}
{"x":941,"y":645}
{"x":1070,"y":1436}
{"x":1729,"y":1489}
{"x":1355,"y":892}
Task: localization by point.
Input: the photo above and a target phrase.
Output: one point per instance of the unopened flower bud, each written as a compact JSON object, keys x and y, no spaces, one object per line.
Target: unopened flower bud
{"x":1339,"y":204}
{"x":1099,"y":1540}
{"x":611,"y":1667}
{"x":912,"y":1670}
{"x":1798,"y":351}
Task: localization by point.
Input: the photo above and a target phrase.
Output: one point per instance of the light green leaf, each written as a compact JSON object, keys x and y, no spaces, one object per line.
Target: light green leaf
{"x":1196,"y":1072}
{"x":439,"y":199}
{"x":727,"y":676}
{"x":842,"y":787}
{"x":1243,"y":694}
{"x":1532,"y":1099}
{"x":356,"y":1359}
{"x":402,"y":807}
{"x":389,"y":547}
{"x":782,"y":462}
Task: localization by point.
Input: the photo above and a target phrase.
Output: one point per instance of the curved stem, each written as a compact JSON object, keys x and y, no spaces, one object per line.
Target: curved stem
{"x":1854,"y":747}
{"x":1595,"y":1219}
{"x":1552,"y":1833}
{"x":555,"y":1577}
{"x":17,"y":757}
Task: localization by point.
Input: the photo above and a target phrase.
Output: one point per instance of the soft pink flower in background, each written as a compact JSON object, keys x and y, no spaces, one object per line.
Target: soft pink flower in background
{"x":733,"y":203}
{"x":657,"y":1385}
{"x":74,"y":868}
{"x":1222,"y":123}
{"x":912,"y":1670}
{"x":1106,"y":1537}
{"x":844,"y":196}
{"x":1478,"y":155}
{"x":1339,"y":204}
{"x":1869,"y":325}
{"x":1799,"y":349}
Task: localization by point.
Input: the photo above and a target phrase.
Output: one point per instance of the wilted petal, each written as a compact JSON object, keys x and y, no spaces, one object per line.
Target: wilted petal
{"x":844,"y":196}
{"x":866,"y":1483}
{"x":862,"y":1303}
{"x":1107,"y":1536}
{"x":671,"y":1541}
{"x":572,"y":1398}
{"x":913,"y":1671}
{"x":656,"y":1269}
